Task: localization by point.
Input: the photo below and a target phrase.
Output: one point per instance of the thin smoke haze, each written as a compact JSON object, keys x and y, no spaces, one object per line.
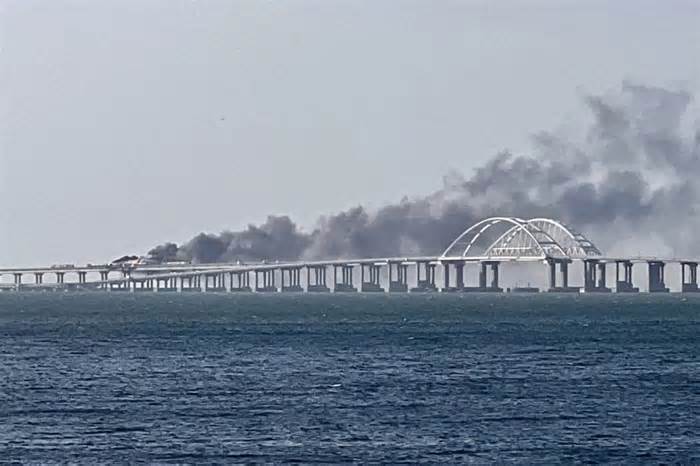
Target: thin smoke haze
{"x":629,"y":182}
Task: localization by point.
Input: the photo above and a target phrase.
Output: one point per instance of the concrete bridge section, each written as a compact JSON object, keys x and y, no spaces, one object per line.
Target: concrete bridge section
{"x":376,"y":275}
{"x":471,"y":263}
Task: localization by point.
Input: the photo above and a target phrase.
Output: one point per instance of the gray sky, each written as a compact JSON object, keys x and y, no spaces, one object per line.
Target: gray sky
{"x":124,"y":124}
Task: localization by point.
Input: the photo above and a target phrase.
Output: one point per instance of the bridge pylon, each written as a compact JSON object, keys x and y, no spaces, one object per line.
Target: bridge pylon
{"x":563,"y":272}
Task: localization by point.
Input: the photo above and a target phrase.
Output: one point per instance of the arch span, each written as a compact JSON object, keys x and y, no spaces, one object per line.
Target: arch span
{"x":534,"y":238}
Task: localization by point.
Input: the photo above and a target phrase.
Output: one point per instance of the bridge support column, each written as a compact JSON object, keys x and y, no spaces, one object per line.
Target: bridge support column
{"x":187,"y":284}
{"x":151,"y":285}
{"x":294,"y":282}
{"x":425,"y":281}
{"x":18,"y":280}
{"x":268,"y":281}
{"x":242,"y":282}
{"x":197,"y":284}
{"x":602,"y":278}
{"x":459,"y":276}
{"x":60,"y":278}
{"x":400,"y":283}
{"x":485,"y":285}
{"x":166,"y":285}
{"x":214,"y":282}
{"x":494,"y":277}
{"x":624,"y":284}
{"x":594,"y":276}
{"x":656,"y":277}
{"x":143,"y":284}
{"x":459,"y":267}
{"x":316,"y":279}
{"x":104,"y":276}
{"x":372,"y":285}
{"x":689,"y":280}
{"x":446,"y":276}
{"x":346,"y":278}
{"x":121,"y":285}
{"x":564,"y":271}
{"x":482,"y":275}
{"x":82,"y":278}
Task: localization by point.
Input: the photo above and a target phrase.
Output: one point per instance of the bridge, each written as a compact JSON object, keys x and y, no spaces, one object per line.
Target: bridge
{"x":485,"y":246}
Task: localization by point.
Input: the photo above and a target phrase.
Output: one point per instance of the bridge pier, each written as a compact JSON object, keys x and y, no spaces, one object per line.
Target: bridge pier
{"x":445,"y":277}
{"x":428,"y":282}
{"x":294,"y":275}
{"x":18,"y":280}
{"x":564,"y":271}
{"x":656,"y":277}
{"x":459,"y":276}
{"x":214,"y":282}
{"x":486,"y":286}
{"x":372,"y":285}
{"x":268,"y":281}
{"x":242,"y":282}
{"x":60,"y":278}
{"x":189,"y":284}
{"x":123,"y":285}
{"x":82,"y":278}
{"x":38,"y":278}
{"x":594,"y":280}
{"x":624,"y":285}
{"x":166,"y":285}
{"x":400,"y":284}
{"x":104,"y":276}
{"x":316,"y":281}
{"x":689,"y":281}
{"x":346,"y":278}
{"x":143,"y":285}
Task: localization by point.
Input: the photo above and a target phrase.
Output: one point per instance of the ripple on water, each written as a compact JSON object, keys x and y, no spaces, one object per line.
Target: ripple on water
{"x":440,"y":379}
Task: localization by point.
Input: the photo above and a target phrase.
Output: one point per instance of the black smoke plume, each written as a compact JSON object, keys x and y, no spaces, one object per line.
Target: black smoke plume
{"x":629,"y":183}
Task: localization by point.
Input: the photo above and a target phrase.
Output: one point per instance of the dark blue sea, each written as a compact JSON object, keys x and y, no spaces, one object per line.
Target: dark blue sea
{"x":93,"y":378}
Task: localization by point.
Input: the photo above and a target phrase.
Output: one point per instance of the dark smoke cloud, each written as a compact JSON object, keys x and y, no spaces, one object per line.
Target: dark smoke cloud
{"x":276,"y":239}
{"x":629,"y":183}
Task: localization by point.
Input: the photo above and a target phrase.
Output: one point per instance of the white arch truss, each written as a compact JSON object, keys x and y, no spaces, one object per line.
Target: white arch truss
{"x":534,"y":238}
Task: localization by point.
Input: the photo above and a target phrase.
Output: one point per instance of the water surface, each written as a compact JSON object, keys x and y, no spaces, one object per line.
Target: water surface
{"x":330,"y":378}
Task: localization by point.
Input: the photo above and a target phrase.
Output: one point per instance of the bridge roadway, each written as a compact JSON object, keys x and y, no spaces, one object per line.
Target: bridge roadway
{"x":376,"y":275}
{"x":488,"y":243}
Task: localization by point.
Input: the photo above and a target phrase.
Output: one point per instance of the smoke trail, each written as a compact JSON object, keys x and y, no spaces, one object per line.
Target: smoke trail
{"x":629,"y":183}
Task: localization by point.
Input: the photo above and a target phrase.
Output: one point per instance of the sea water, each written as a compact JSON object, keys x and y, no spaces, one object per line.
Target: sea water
{"x":205,"y":378}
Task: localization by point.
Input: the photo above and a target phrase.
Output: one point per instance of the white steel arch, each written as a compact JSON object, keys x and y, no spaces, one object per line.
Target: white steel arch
{"x":573,"y":242}
{"x":539,"y":237}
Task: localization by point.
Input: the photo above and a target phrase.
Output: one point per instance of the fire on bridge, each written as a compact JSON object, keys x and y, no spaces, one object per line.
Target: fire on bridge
{"x":487,"y":245}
